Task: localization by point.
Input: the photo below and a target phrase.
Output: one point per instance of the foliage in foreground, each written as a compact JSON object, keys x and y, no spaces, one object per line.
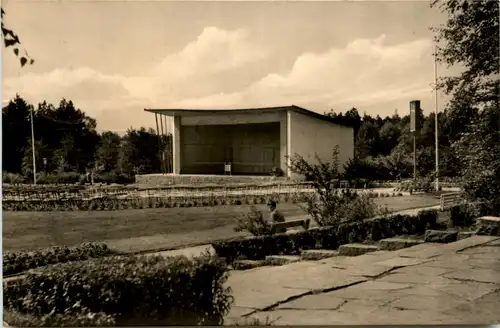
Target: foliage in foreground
{"x":125,"y":290}
{"x":15,"y":262}
{"x":331,"y":206}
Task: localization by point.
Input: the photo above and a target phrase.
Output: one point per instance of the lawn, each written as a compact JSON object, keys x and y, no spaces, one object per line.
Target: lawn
{"x":146,"y":229}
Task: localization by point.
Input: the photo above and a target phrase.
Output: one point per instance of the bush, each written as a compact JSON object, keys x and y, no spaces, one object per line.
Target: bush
{"x":361,"y":207}
{"x":15,"y":262}
{"x":129,"y":290}
{"x":331,"y":206}
{"x":329,"y":237}
{"x":418,"y":185}
{"x":254,"y":223}
{"x":465,"y":215}
{"x":113,"y":177}
{"x":59,"y":178}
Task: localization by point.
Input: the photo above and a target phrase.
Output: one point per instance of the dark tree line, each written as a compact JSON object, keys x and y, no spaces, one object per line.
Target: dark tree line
{"x":66,"y":141}
{"x":384,"y":146}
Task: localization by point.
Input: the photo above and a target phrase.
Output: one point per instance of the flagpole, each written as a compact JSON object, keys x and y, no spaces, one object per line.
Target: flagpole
{"x":33,"y":145}
{"x":436,"y":117}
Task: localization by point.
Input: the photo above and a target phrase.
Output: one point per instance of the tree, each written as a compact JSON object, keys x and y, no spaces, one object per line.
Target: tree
{"x":65,"y":123}
{"x":108,"y":153}
{"x":389,"y":136}
{"x":352,"y":118}
{"x":16,"y":130}
{"x":11,"y":39}
{"x":470,"y":38}
{"x":367,"y":140}
{"x":139,"y":152}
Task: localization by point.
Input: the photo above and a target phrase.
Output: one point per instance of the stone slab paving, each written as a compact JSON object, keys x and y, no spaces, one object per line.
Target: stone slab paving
{"x":457,"y":283}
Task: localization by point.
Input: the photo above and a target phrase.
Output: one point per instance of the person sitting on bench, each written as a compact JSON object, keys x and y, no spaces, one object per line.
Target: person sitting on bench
{"x":276,"y":215}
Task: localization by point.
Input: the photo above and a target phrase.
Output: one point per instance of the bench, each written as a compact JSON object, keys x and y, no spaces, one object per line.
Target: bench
{"x":449,"y":200}
{"x":277,"y":227}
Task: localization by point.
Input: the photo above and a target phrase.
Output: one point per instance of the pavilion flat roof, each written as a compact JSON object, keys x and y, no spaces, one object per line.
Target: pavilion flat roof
{"x":197,"y":112}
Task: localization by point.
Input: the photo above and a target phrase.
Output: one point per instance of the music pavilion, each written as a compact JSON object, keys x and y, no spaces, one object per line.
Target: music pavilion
{"x":251,"y":142}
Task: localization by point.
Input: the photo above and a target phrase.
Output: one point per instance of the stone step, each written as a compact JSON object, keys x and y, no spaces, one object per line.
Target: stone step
{"x":246,"y":264}
{"x":439,"y":236}
{"x":488,"y":226}
{"x":282,"y":259}
{"x":393,"y":244}
{"x":465,"y":234}
{"x":318,"y":254}
{"x":356,"y":249}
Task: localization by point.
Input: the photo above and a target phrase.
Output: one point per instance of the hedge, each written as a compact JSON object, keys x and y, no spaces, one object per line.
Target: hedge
{"x":465,"y":215}
{"x":254,"y":248}
{"x":110,"y":204}
{"x":133,"y":290}
{"x":15,"y":262}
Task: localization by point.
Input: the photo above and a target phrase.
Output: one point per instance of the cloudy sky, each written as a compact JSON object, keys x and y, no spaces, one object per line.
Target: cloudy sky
{"x":113,"y":59}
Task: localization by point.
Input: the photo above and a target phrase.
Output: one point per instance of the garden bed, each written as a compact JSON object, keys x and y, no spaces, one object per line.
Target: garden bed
{"x":110,"y":203}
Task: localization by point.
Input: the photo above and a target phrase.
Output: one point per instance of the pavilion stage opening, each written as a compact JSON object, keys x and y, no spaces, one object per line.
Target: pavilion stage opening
{"x":252,"y":149}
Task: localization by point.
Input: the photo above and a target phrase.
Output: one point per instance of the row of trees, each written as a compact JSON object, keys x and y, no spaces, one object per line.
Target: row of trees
{"x":66,"y":140}
{"x":384,"y":146}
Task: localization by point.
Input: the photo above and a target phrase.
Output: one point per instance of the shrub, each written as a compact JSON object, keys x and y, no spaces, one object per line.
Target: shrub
{"x":361,"y":207}
{"x":331,"y":206}
{"x":113,"y":177}
{"x":15,"y":262}
{"x":253,"y":222}
{"x":147,"y":289}
{"x":277,"y":172}
{"x":464,"y":215}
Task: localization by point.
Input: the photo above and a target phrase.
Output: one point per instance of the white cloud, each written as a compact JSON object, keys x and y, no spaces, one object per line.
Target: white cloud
{"x":363,"y":73}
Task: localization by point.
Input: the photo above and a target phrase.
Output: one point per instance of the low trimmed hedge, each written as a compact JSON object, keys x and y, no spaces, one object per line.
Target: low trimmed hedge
{"x":111,"y":204}
{"x":15,"y":262}
{"x":254,"y":248}
{"x":134,"y":290}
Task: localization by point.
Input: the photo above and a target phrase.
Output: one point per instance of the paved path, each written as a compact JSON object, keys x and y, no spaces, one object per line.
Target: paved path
{"x":457,"y":283}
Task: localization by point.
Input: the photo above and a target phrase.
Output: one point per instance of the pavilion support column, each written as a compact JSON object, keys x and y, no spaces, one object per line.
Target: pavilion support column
{"x":283,"y":144}
{"x":288,"y":143}
{"x":176,"y":145}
